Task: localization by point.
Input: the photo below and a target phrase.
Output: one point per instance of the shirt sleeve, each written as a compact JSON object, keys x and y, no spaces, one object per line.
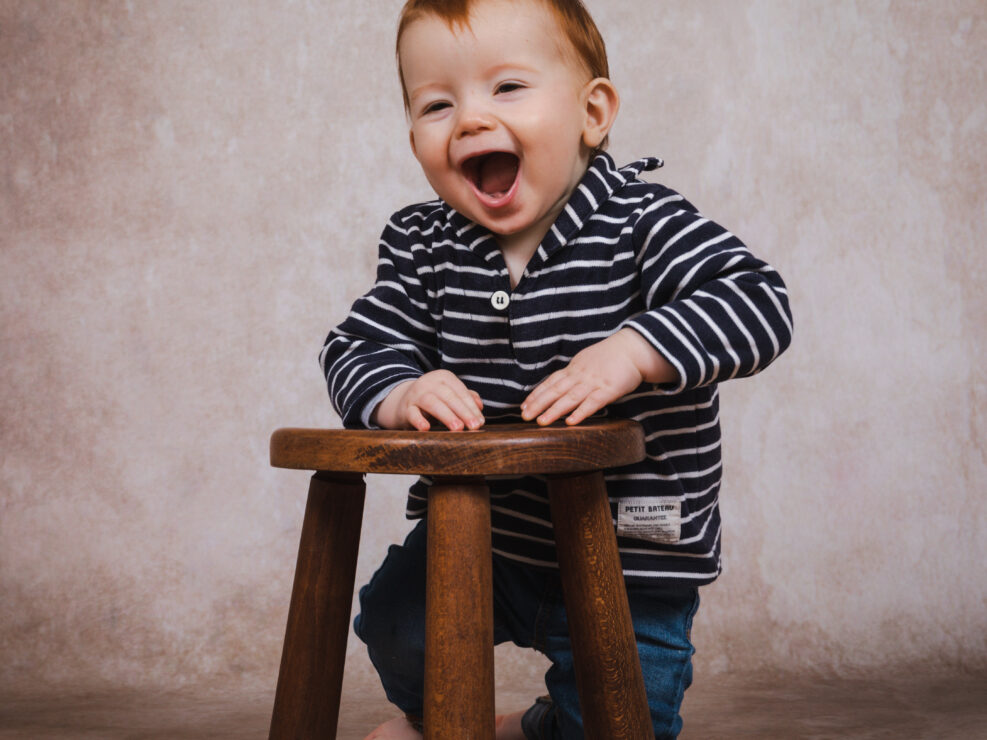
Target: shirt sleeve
{"x":388,"y":337}
{"x":712,"y":309}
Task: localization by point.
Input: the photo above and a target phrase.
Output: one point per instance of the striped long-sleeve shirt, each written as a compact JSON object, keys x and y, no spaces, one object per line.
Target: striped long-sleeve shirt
{"x":623,"y":253}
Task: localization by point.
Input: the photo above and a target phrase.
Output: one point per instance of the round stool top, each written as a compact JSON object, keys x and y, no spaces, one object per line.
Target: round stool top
{"x":498,"y":449}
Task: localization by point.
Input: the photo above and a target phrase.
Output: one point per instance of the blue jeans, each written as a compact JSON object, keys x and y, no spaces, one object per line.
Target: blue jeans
{"x":529,"y":611}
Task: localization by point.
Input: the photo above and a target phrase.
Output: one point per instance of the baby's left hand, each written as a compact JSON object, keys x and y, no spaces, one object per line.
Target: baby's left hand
{"x":595,"y":377}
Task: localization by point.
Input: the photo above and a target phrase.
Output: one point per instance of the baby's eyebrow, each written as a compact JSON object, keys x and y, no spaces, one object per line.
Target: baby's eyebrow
{"x":423,"y":89}
{"x":504,"y":67}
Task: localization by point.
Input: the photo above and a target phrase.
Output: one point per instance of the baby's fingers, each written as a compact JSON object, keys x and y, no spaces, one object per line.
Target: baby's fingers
{"x":589,"y":406}
{"x":455,"y":410}
{"x":477,"y":400}
{"x":417,"y":419}
{"x":563,"y":403}
{"x":466,"y":405}
{"x":464,"y":402}
{"x":433,"y":406}
{"x":545,"y":394}
{"x":580,"y":401}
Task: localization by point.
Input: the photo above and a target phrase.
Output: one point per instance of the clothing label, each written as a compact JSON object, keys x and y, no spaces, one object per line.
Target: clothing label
{"x":651,"y":518}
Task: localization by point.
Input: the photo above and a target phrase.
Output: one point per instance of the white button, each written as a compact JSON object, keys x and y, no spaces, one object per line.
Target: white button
{"x":500,"y":300}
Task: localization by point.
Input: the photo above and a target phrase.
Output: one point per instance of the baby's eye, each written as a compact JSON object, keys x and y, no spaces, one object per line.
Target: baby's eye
{"x":433,"y":107}
{"x":506,"y":87}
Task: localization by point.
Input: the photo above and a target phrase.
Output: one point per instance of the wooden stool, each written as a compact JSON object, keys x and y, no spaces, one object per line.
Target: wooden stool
{"x":459,"y":688}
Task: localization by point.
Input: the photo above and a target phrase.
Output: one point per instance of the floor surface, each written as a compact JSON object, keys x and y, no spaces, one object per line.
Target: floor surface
{"x":717,"y":707}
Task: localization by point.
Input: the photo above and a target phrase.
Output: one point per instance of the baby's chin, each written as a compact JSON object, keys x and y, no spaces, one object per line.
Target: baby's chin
{"x":500,"y":229}
{"x":502,"y":225}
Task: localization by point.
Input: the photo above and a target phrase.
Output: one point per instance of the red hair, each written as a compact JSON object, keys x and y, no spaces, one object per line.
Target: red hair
{"x":573,"y":19}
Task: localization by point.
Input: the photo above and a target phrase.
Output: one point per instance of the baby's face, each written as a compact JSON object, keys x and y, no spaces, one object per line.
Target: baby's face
{"x":497,"y":114}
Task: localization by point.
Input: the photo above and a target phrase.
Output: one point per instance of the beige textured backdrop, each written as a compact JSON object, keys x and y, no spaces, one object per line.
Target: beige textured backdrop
{"x":190,"y":196}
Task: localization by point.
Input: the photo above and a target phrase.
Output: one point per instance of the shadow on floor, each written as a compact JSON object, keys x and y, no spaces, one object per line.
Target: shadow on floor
{"x":716,"y":707}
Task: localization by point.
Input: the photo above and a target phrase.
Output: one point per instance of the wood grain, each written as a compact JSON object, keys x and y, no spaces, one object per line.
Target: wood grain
{"x":505,"y":449}
{"x":459,"y":701}
{"x":612,"y":697}
{"x":306,"y":702}
{"x":459,"y":686}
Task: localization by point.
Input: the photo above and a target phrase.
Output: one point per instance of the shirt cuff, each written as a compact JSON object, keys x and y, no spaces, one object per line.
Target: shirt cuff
{"x":374,"y":402}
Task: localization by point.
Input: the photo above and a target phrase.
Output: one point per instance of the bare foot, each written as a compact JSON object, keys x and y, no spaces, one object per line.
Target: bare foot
{"x":398,"y":729}
{"x":508,"y":726}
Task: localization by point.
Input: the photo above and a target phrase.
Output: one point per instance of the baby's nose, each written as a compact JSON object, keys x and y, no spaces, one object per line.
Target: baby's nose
{"x":474,"y":119}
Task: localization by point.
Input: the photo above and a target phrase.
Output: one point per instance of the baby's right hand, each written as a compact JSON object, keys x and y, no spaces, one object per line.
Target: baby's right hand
{"x":439,"y":395}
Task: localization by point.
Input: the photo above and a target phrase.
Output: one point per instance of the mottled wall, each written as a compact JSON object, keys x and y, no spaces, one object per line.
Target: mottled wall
{"x":190,"y":196}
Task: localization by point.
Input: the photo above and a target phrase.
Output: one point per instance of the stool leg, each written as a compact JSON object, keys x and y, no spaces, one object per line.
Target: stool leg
{"x":459,"y":689}
{"x":612,"y":696}
{"x":306,"y":703}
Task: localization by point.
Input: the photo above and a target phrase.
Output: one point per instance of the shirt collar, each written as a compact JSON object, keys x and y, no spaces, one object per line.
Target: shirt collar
{"x":602,"y":179}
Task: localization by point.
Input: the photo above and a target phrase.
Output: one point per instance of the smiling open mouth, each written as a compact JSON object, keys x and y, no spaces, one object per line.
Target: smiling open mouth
{"x":492,"y":174}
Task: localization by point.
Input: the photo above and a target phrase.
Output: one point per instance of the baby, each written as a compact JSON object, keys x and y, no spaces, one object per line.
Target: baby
{"x":548,"y":284}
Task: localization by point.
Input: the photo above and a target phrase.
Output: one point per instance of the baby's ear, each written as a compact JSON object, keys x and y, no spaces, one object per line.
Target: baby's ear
{"x":602,"y":102}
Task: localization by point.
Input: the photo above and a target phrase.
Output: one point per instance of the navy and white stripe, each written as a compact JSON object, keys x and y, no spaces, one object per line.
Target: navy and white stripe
{"x":622,"y":253}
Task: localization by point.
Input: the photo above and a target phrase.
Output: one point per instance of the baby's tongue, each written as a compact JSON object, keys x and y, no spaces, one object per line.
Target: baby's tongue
{"x":497,"y":173}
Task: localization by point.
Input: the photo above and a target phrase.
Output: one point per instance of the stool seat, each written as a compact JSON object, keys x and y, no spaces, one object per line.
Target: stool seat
{"x":498,"y":449}
{"x":458,"y":670}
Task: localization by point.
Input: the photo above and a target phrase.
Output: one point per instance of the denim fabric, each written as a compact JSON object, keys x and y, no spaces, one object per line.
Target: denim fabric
{"x":529,"y":611}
